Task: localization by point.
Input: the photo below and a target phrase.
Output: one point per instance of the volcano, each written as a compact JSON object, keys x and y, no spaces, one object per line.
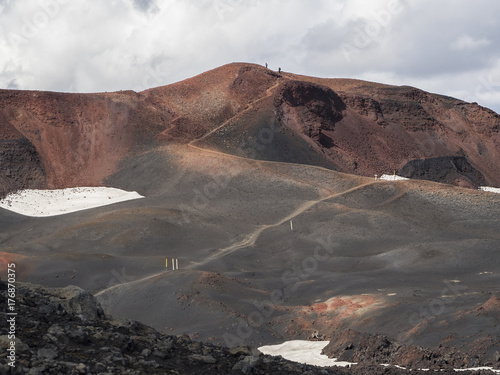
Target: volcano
{"x":263,"y":186}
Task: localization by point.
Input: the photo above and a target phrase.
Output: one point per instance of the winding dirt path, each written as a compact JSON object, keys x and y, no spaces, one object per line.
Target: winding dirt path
{"x":129,"y":283}
{"x":251,"y":238}
{"x":248,"y":241}
{"x":269,"y":92}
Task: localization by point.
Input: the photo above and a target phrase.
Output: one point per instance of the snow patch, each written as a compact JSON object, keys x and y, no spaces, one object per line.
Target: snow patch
{"x":490,"y":189}
{"x":390,"y":177}
{"x":43,"y":203}
{"x":478,"y":369}
{"x":308,"y":352}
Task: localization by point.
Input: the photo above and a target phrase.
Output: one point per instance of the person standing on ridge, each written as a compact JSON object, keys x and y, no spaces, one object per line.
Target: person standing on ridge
{"x":279,"y":70}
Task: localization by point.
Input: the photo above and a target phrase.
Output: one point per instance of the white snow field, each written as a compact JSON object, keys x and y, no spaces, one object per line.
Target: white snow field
{"x":42,"y":203}
{"x":390,"y":177}
{"x":302,"y":351}
{"x":490,"y":189}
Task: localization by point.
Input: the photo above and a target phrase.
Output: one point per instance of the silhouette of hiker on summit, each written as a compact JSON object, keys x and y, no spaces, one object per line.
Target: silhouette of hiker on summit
{"x":266,"y":65}
{"x":279,"y":70}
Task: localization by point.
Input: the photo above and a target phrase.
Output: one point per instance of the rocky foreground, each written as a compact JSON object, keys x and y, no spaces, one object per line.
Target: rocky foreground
{"x":65,"y":331}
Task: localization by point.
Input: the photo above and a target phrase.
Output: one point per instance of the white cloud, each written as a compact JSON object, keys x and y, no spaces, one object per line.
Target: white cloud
{"x":466,"y":42}
{"x":90,"y":45}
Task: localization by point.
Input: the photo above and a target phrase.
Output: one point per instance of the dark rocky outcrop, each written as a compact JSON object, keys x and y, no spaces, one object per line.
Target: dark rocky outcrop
{"x":352,"y":346}
{"x":454,"y":170}
{"x":20,"y":166}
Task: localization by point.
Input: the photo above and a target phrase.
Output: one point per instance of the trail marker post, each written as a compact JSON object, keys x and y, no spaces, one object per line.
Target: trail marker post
{"x":175,"y":264}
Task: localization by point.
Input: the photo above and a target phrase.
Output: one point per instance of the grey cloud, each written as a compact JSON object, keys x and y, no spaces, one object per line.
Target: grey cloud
{"x":4,"y":3}
{"x":146,"y":5}
{"x":426,"y":36}
{"x":13,"y":85}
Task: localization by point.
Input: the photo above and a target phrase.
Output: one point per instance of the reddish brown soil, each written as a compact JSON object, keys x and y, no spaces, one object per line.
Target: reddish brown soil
{"x":491,"y":306}
{"x":79,"y":137}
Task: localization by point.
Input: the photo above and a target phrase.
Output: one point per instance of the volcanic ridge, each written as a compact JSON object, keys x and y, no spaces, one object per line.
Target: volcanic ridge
{"x":266,"y":189}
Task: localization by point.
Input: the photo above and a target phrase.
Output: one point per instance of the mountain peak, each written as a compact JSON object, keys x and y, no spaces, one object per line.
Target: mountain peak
{"x":348,"y":125}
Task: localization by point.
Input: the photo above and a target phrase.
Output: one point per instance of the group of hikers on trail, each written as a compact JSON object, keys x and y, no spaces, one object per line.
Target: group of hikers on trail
{"x":279,"y":69}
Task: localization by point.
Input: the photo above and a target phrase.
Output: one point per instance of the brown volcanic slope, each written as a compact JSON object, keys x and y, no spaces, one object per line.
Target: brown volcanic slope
{"x":413,"y":260}
{"x":59,"y":140}
{"x":363,"y":128}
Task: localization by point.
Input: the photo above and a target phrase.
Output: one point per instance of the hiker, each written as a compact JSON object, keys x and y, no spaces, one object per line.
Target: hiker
{"x":266,"y":65}
{"x":279,"y":70}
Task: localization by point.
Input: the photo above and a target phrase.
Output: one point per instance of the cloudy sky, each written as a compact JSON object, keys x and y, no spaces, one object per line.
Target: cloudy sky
{"x":450,"y":47}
